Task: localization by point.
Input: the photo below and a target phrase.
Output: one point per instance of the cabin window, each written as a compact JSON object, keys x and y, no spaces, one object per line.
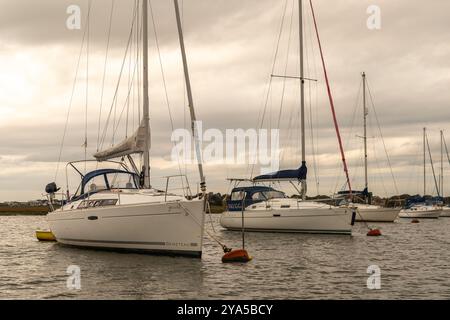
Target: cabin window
{"x":237,"y":196}
{"x":259,"y":196}
{"x":96,"y":184}
{"x":268,"y":195}
{"x":121,"y":181}
{"x":97,"y":203}
{"x":274,"y":195}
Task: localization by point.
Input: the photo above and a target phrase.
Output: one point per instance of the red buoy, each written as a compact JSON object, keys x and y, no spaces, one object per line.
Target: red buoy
{"x":415,"y":221}
{"x":374,"y":233}
{"x":236,"y":256}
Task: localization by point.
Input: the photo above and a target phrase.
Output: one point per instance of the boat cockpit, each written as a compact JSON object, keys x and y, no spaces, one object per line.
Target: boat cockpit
{"x":247,"y":196}
{"x":104,"y":180}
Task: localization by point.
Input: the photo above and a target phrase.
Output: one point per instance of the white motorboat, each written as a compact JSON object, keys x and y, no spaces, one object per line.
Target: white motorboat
{"x":420,"y":211}
{"x":268,"y":210}
{"x":116,"y":208}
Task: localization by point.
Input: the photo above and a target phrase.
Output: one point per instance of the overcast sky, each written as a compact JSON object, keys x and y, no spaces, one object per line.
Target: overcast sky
{"x":230,"y":46}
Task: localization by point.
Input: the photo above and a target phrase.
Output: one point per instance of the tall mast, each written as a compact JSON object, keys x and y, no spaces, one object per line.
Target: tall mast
{"x":365,"y":132}
{"x":424,"y":163}
{"x":190,"y":98}
{"x":146,"y":114}
{"x":441,"y":179}
{"x":302,"y":98}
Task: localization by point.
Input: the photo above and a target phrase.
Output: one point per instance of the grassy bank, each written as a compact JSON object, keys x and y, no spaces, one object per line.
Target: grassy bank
{"x":23,"y":211}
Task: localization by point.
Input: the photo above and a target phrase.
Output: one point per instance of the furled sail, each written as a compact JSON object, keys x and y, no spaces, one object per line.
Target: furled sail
{"x":132,"y":145}
{"x":287,"y":175}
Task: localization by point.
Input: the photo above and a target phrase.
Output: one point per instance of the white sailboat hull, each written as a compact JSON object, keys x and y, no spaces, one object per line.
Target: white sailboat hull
{"x":421,"y":213}
{"x":326,"y":220}
{"x":445,"y":212}
{"x":169,"y":228}
{"x":377,"y":214}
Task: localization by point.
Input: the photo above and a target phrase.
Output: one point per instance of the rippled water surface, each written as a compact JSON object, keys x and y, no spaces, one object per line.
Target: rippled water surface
{"x":414,"y":261}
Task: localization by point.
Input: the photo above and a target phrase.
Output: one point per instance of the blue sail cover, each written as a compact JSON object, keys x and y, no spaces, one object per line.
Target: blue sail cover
{"x":297,"y":174}
{"x":411,"y":201}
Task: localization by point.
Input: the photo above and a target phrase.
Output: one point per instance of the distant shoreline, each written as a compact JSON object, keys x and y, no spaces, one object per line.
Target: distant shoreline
{"x":23,"y":211}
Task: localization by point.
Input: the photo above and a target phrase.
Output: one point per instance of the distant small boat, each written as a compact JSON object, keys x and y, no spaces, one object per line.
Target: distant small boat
{"x":445,"y":209}
{"x":45,"y":236}
{"x":421,"y":211}
{"x":424,"y":208}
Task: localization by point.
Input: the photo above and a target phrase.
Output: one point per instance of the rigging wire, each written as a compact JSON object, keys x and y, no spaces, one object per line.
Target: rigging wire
{"x":315,"y":143}
{"x":114,"y":103}
{"x":285,"y":68}
{"x":382,"y":137}
{"x":165,"y":86}
{"x":262,"y":114}
{"x":352,"y":125}
{"x":310,"y":108}
{"x":87,"y":87}
{"x":66,"y":126}
{"x":432,"y":165}
{"x":377,"y":161}
{"x":446,"y":149}
{"x":333,"y":111}
{"x":104,"y":72}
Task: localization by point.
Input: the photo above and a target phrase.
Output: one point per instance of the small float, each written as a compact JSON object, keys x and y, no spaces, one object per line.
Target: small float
{"x":45,"y":236}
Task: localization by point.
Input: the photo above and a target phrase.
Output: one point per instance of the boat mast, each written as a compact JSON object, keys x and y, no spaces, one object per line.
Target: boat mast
{"x":146,"y":114}
{"x":304,"y":185}
{"x":190,"y":98}
{"x":441,"y":179}
{"x":424,"y":163}
{"x":365,"y":134}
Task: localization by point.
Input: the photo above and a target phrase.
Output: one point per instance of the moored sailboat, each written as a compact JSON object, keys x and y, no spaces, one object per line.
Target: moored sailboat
{"x":423,"y":210}
{"x":115,"y":206}
{"x":368,"y":212}
{"x":267,"y":209}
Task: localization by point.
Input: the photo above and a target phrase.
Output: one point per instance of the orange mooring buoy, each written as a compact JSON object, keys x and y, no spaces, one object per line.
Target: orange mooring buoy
{"x":236,"y":256}
{"x":374,"y":233}
{"x":415,"y":221}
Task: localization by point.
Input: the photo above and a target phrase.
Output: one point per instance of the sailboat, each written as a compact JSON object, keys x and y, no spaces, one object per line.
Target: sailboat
{"x":368,"y":212}
{"x":422,"y":210}
{"x":445,"y":208}
{"x":269,"y":210}
{"x":115,"y":206}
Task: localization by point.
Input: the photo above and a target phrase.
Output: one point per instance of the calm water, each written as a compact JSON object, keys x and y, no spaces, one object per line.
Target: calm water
{"x":414,"y":261}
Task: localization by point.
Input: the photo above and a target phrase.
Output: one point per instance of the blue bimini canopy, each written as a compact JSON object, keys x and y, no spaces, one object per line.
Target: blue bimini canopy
{"x":103,"y":172}
{"x":287,"y":175}
{"x":235,"y":204}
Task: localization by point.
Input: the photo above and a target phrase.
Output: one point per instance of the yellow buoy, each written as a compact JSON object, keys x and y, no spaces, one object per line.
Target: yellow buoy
{"x":45,"y":236}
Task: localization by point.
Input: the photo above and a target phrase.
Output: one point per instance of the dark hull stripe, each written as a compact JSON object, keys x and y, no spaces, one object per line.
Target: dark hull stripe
{"x":190,"y":254}
{"x":118,"y":242}
{"x":270,"y":215}
{"x":383,"y":221}
{"x":419,"y":217}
